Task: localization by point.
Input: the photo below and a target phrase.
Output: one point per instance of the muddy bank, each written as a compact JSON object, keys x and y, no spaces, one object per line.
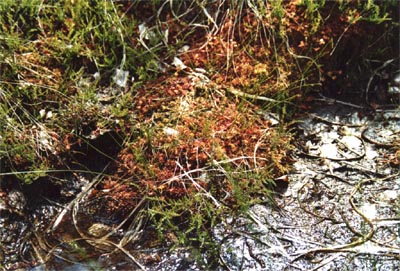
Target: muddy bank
{"x":338,"y":211}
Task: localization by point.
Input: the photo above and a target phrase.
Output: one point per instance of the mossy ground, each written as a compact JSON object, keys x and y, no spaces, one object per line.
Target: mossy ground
{"x":189,"y":124}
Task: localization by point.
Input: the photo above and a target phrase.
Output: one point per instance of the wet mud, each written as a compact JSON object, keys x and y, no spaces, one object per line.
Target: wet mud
{"x":341,"y":208}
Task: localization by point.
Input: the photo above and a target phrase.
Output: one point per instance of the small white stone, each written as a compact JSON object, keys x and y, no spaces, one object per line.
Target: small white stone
{"x":170,"y":132}
{"x":96,"y":75}
{"x":42,"y":113}
{"x":49,"y":115}
{"x":179,"y":64}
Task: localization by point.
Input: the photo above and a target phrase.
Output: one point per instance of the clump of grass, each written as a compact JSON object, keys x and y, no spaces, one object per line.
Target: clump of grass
{"x":56,"y":57}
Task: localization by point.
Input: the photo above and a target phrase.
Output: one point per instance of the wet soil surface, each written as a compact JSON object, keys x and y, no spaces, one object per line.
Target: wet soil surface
{"x":341,"y":208}
{"x":338,"y":211}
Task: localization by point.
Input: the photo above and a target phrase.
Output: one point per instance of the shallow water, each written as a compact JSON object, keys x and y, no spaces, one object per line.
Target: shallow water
{"x":340,"y":211}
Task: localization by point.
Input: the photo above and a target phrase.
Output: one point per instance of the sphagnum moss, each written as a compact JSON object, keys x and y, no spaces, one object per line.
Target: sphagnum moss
{"x":60,"y":63}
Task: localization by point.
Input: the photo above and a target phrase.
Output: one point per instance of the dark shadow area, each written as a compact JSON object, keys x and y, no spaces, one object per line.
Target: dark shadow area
{"x":93,"y":155}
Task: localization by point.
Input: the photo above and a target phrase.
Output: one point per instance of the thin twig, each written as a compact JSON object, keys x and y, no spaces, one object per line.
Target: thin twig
{"x":335,"y":101}
{"x":250,"y":96}
{"x":69,"y":207}
{"x":199,"y":187}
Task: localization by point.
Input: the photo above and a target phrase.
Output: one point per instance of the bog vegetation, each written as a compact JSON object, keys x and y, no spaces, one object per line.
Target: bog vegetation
{"x":186,"y":105}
